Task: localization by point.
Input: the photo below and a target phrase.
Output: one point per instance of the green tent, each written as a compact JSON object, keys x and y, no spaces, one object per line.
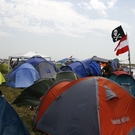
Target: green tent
{"x":31,"y":95}
{"x":58,"y":65}
{"x":125,"y":80}
{"x":4,"y":68}
{"x":117,"y":59}
{"x":65,"y":75}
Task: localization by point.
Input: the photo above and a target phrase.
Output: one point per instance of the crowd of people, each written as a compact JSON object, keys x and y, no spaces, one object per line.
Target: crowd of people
{"x":108,"y":69}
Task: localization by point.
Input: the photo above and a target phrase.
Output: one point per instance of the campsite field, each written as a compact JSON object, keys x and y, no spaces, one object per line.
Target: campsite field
{"x":23,"y":111}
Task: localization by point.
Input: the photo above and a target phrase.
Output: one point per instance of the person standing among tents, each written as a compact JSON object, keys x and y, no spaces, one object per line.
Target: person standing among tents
{"x":107,"y":70}
{"x":118,"y":68}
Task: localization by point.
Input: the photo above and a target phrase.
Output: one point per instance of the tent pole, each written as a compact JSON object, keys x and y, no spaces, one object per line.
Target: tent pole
{"x":9,"y":61}
{"x":129,"y":61}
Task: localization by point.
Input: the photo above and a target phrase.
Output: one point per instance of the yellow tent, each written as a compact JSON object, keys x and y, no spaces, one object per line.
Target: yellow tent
{"x":2,"y":79}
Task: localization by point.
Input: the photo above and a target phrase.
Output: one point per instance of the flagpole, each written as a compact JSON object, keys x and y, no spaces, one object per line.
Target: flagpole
{"x":129,"y":56}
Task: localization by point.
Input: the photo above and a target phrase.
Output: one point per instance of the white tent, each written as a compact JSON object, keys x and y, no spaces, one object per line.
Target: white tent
{"x":26,"y":55}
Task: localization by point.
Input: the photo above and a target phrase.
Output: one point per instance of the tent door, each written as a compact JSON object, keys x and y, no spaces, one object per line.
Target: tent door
{"x":127,"y":87}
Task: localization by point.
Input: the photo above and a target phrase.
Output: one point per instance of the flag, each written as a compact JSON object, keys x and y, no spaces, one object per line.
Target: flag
{"x":122,"y":46}
{"x":70,"y":57}
{"x":117,"y":34}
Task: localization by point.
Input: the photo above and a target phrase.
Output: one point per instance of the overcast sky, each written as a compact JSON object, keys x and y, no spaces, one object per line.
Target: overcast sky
{"x":61,"y":28}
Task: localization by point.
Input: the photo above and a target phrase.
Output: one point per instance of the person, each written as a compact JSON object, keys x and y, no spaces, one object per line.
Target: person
{"x":118,"y":68}
{"x":107,"y":70}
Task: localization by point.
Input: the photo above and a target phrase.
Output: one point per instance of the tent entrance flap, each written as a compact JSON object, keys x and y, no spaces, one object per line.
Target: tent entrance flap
{"x":126,"y":86}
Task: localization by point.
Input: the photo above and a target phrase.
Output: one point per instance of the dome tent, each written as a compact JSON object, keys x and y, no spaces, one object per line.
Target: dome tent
{"x":124,"y":79}
{"x":32,"y":94}
{"x":2,"y":79}
{"x":86,"y":106}
{"x":23,"y":76}
{"x":7,"y":76}
{"x":10,"y":121}
{"x":44,"y":67}
{"x":4,"y":68}
{"x":65,"y":75}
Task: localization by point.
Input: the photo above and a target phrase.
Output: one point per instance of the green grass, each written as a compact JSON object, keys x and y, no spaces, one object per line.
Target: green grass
{"x":23,"y":111}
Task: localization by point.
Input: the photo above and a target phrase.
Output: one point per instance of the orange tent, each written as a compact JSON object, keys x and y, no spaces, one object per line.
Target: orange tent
{"x":89,"y":106}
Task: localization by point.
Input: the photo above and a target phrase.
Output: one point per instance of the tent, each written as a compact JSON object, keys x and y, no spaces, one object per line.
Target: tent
{"x":23,"y":77}
{"x":58,"y":65}
{"x":89,"y":106}
{"x":31,"y":95}
{"x":88,"y":67}
{"x":44,"y":67}
{"x":81,"y":68}
{"x":2,"y":79}
{"x":54,"y":66}
{"x":4,"y":68}
{"x":26,"y":55}
{"x":124,"y":79}
{"x":7,"y":76}
{"x":65,"y":75}
{"x":10,"y":121}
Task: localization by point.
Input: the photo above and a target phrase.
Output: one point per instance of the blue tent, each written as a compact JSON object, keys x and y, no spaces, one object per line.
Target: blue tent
{"x":84,"y":68}
{"x":10,"y":121}
{"x":88,"y":67}
{"x":115,"y":61}
{"x":45,"y":68}
{"x":35,"y":60}
{"x":7,"y":76}
{"x":23,"y":76}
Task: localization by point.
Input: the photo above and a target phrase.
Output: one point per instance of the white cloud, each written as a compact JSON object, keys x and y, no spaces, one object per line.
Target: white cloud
{"x":96,"y":4}
{"x":5,"y":34}
{"x":0,"y":22}
{"x":133,"y":11}
{"x":111,"y":3}
{"x":47,"y":16}
{"x":43,"y":17}
{"x":85,"y":5}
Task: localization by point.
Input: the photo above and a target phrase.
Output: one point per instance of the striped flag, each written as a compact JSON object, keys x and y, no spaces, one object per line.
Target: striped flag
{"x":122,"y":46}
